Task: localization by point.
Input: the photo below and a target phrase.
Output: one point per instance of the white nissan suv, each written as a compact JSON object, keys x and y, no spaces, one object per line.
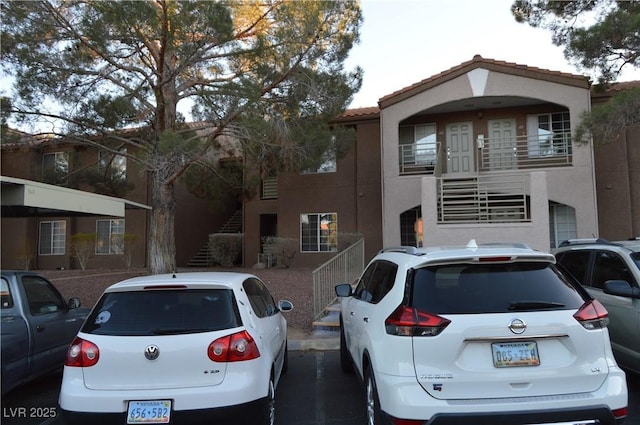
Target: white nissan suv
{"x":491,"y":334}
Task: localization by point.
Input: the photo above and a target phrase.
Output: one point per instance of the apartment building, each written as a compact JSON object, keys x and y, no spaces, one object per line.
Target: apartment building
{"x":482,"y":150}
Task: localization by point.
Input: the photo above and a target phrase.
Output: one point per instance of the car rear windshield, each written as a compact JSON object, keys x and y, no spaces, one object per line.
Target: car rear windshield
{"x":163,"y":312}
{"x":492,"y":288}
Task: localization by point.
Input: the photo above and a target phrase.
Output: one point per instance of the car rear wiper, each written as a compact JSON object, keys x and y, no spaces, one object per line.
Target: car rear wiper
{"x":533,"y":305}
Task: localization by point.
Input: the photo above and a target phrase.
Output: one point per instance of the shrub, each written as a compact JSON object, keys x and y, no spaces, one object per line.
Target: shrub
{"x":83,"y":247}
{"x":226,"y":248}
{"x":345,"y":240}
{"x":284,"y":248}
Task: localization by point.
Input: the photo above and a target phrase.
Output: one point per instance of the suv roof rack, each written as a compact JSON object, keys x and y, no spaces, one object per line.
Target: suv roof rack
{"x":572,"y":242}
{"x":412,"y":250}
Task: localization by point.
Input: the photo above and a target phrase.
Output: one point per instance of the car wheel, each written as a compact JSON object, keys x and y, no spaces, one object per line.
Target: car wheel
{"x":374,"y":413}
{"x":267,"y":413}
{"x":345,"y":358}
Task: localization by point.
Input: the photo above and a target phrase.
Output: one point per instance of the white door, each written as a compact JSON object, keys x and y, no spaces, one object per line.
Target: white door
{"x":502,"y":144}
{"x":460,"y":156}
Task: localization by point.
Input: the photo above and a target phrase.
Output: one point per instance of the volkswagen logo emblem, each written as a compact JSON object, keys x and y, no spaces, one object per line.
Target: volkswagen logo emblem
{"x":517,"y":326}
{"x":152,"y":352}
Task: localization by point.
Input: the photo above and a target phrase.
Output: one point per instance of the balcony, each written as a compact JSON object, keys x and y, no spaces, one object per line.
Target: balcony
{"x":419,"y":158}
{"x":493,"y":154}
{"x":525,"y":152}
{"x":499,"y":198}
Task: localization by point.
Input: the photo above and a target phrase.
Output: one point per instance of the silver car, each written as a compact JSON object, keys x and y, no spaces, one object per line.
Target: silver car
{"x":610,"y":271}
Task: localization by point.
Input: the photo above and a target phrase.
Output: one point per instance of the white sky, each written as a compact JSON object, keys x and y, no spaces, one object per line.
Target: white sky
{"x":405,"y":41}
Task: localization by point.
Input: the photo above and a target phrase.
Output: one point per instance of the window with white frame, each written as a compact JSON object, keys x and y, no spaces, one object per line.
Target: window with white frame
{"x":110,"y":236}
{"x":113,"y":165}
{"x":549,"y":134}
{"x":319,"y":232}
{"x":52,"y":237}
{"x":55,"y":167}
{"x":562,"y":223}
{"x":418,"y":145}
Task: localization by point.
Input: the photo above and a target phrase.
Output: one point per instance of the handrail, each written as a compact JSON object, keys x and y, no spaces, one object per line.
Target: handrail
{"x":345,"y":267}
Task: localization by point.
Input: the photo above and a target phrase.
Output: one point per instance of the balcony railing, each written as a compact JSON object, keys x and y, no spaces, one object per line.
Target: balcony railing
{"x":483,"y":199}
{"x":513,"y":153}
{"x":524,"y":152}
{"x":419,"y":158}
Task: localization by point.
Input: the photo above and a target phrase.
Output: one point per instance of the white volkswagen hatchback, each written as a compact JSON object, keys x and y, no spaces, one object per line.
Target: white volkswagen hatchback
{"x":489,"y":334}
{"x":178,"y":348}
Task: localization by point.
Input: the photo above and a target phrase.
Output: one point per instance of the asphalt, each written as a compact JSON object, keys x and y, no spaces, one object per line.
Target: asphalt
{"x":320,"y":340}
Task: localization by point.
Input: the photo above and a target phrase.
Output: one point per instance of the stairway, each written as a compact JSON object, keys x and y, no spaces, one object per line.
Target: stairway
{"x":202,"y":258}
{"x":330,"y":320}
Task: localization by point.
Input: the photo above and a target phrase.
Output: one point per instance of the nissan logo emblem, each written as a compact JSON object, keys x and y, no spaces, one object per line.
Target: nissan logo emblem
{"x":152,"y":352}
{"x":517,"y":326}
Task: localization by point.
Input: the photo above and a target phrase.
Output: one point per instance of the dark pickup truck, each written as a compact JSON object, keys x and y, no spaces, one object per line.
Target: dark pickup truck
{"x":37,"y":326}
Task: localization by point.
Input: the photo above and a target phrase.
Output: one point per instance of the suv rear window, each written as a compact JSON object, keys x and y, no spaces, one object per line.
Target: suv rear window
{"x":163,"y":312}
{"x":492,"y":288}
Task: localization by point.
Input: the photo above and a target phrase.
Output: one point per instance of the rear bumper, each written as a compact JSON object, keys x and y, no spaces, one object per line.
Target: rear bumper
{"x":602,"y":414}
{"x":243,"y":413}
{"x":404,"y":398}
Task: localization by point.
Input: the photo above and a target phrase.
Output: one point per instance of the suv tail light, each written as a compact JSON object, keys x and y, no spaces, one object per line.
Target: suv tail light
{"x":592,"y":315}
{"x":620,"y":413}
{"x":82,"y":353}
{"x":409,"y":321}
{"x":233,"y":348}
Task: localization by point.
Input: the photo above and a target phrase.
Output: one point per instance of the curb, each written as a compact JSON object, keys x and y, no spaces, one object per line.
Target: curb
{"x":318,"y":344}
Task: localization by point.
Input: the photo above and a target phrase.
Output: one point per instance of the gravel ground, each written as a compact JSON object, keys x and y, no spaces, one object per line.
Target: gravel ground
{"x":295,"y":285}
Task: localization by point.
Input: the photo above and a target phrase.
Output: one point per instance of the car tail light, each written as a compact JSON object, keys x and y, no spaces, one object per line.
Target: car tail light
{"x":592,"y":315}
{"x":233,"y":348}
{"x":620,"y":413}
{"x":82,"y":353}
{"x":409,"y":321}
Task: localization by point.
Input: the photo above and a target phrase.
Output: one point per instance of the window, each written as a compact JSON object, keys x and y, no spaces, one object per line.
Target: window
{"x":376,"y":282}
{"x":562,"y":223}
{"x":549,"y":134}
{"x":55,"y":167}
{"x":260,"y":298}
{"x":110,"y":236}
{"x":6,"y":299}
{"x":52,"y":237}
{"x":576,"y":263}
{"x":411,"y":227}
{"x":319,"y":232}
{"x":609,"y":266}
{"x":328,"y":165}
{"x":418,"y":144}
{"x":113,"y":166}
{"x":42,"y":296}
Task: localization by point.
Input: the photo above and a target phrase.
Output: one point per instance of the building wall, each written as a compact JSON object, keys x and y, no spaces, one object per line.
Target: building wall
{"x":353,"y":192}
{"x":617,"y":166}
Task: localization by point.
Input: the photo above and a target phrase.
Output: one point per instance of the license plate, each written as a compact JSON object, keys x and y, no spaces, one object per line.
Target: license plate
{"x":149,"y":412}
{"x":512,"y":354}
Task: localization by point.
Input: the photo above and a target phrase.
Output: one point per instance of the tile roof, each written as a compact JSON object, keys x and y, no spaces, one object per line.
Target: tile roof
{"x":491,"y":64}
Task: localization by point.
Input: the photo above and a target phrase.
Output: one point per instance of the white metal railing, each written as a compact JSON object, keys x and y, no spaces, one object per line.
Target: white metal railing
{"x":526,"y":152}
{"x":419,"y":158}
{"x":508,"y":153}
{"x":499,"y":198}
{"x":345,"y":267}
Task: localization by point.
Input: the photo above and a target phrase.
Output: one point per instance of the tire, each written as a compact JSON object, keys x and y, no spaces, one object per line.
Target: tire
{"x":346,"y":363}
{"x":375,"y":416}
{"x":266,"y":414}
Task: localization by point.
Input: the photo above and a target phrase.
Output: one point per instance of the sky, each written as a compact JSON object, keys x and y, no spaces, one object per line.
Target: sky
{"x":403,"y":42}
